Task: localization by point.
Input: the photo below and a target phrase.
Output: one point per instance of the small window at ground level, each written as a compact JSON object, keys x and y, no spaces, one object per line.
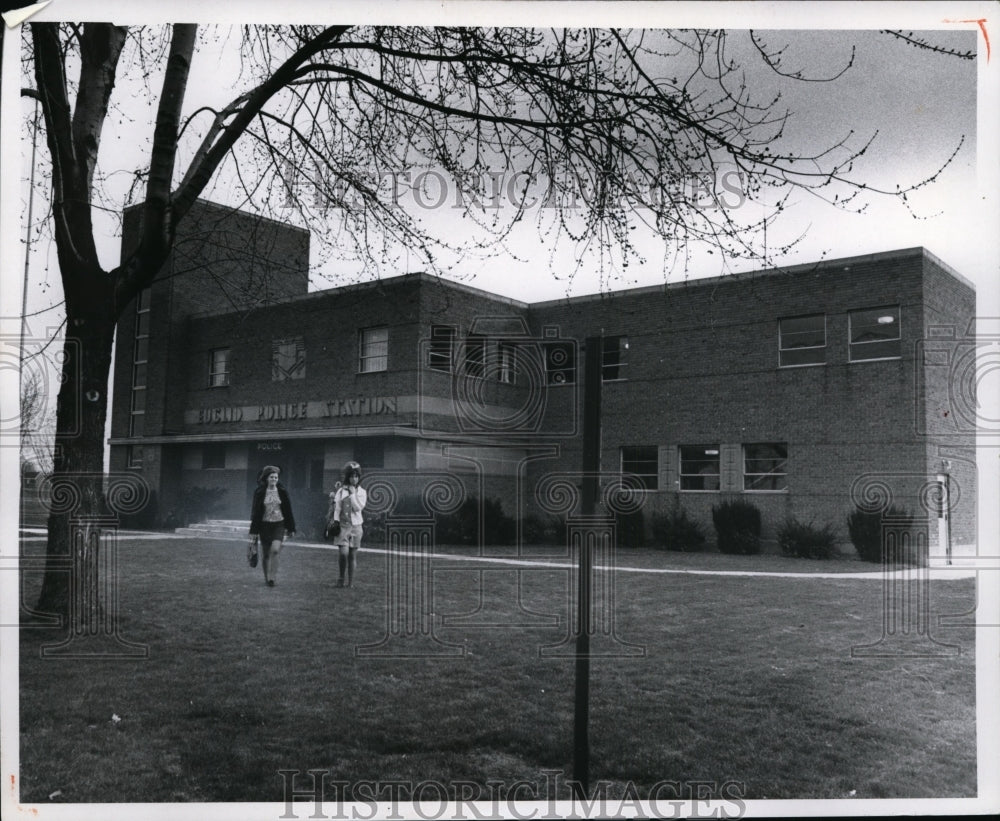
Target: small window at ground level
{"x":802,"y":340}
{"x":699,"y":467}
{"x":875,"y":333}
{"x":133,"y":456}
{"x":765,"y":466}
{"x":644,"y":462}
{"x":213,"y":457}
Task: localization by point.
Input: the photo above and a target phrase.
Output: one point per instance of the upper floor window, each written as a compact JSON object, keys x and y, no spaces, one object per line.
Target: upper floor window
{"x":802,"y":340}
{"x":699,"y":467}
{"x":218,"y":367}
{"x":614,"y":357}
{"x":475,"y":355}
{"x":288,"y":359}
{"x":441,"y":351}
{"x":560,"y":363}
{"x":644,"y":462}
{"x":874,"y":333}
{"x":765,"y":466}
{"x":507,"y":354}
{"x":373,"y":350}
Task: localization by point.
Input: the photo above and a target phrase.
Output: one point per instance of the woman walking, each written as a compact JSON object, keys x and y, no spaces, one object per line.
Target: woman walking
{"x":271,"y":518}
{"x":348,"y":503}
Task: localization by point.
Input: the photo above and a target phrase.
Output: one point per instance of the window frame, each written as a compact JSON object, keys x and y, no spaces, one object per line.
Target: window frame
{"x":441,"y":336}
{"x":853,"y":346}
{"x":621,"y":361}
{"x":133,"y":457}
{"x":298,"y":369}
{"x":213,"y":374}
{"x":650,"y":480}
{"x":507,"y":353}
{"x":681,"y":475}
{"x":365,"y":344}
{"x":765,"y":474}
{"x":782,"y":350}
{"x":474,"y":355}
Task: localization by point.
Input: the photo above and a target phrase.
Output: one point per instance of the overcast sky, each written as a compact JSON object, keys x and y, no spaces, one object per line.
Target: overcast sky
{"x":921,"y":104}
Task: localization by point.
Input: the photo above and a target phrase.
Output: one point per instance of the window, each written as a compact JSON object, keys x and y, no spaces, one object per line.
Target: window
{"x":213,"y":456}
{"x":137,"y":417}
{"x":373,"y":350}
{"x":802,"y":341}
{"x":506,"y":363}
{"x":288,"y":359}
{"x":875,"y":333}
{"x":560,"y":363}
{"x":133,"y":456}
{"x":218,"y":368}
{"x":614,"y":351}
{"x":140,"y":358}
{"x":765,"y":466}
{"x":644,"y":462}
{"x":441,"y":352}
{"x":699,"y":467}
{"x":475,"y":355}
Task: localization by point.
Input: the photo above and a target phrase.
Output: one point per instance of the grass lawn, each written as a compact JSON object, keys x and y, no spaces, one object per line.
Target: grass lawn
{"x":743,"y":679}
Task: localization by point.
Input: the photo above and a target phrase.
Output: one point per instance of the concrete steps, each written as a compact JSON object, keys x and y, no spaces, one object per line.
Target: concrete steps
{"x":236,"y":529}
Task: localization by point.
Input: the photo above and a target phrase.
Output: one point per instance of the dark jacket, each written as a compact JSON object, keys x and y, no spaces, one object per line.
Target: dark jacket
{"x":257,"y":509}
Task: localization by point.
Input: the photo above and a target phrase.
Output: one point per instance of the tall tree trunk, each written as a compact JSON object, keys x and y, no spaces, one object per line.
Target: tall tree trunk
{"x":76,"y":491}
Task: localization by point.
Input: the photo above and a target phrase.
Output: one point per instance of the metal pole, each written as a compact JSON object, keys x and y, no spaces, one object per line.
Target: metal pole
{"x":591,"y":468}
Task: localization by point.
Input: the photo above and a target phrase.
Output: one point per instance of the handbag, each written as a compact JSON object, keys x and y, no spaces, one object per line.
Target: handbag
{"x":252,"y":551}
{"x":332,"y":530}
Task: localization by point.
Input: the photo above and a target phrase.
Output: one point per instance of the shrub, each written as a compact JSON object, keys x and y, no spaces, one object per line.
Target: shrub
{"x":865,"y":529}
{"x":462,"y":526}
{"x":807,"y":541}
{"x":548,"y":530}
{"x":675,"y":530}
{"x":737,"y":527}
{"x":631,"y":529}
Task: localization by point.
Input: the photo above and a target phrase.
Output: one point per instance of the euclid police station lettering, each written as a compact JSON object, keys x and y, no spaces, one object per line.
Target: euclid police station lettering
{"x":288,"y":411}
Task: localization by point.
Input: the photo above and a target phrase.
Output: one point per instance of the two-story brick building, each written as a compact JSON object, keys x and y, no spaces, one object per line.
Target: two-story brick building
{"x":802,"y":389}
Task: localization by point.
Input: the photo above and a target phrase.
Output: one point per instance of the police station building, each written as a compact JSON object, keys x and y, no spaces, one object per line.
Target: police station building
{"x":805,"y":390}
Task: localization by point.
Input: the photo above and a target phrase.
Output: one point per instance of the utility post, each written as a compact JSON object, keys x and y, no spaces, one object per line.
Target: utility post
{"x":590,"y":490}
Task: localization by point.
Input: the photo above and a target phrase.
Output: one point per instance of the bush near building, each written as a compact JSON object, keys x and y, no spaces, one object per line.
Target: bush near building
{"x":865,"y":528}
{"x":737,"y":527}
{"x":805,"y":540}
{"x":675,"y":530}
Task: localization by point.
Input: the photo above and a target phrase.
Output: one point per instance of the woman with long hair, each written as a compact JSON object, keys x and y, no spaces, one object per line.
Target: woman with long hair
{"x":271,"y":519}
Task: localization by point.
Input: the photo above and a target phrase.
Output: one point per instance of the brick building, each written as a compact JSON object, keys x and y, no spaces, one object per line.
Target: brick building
{"x":804,"y":390}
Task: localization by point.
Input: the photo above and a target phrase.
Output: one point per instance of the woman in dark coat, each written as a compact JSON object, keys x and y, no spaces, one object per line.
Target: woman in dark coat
{"x":271,"y":519}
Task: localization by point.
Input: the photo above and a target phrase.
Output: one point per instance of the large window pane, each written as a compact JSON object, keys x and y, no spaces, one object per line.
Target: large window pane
{"x":374,"y":350}
{"x":614,"y":357}
{"x":875,"y":333}
{"x":765,"y":466}
{"x":644,"y":462}
{"x":802,"y":340}
{"x":699,"y":467}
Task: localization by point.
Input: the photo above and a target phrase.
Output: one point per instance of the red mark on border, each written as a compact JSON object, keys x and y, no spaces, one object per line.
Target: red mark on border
{"x":981,"y":22}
